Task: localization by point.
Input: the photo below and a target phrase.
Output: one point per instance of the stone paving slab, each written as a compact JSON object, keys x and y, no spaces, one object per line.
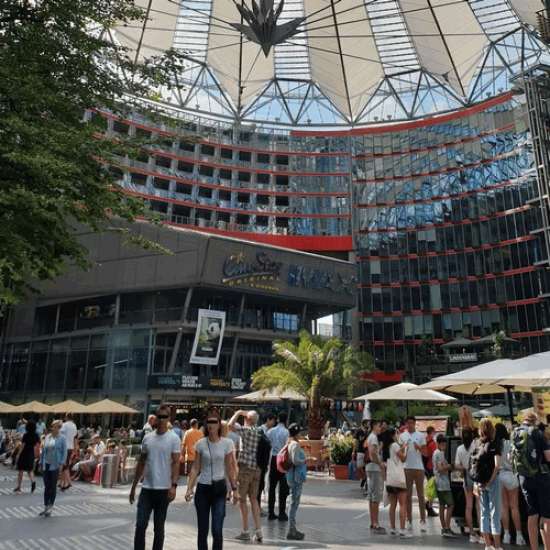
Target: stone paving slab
{"x":333,"y":514}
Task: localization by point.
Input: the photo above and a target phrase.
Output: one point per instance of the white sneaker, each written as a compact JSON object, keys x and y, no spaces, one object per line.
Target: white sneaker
{"x":506,"y":539}
{"x":481,"y":540}
{"x":394,"y":533}
{"x":405,"y":535}
{"x":520,"y":541}
{"x":474,"y":539}
{"x":408,"y":526}
{"x":489,"y":548}
{"x":423,"y":526}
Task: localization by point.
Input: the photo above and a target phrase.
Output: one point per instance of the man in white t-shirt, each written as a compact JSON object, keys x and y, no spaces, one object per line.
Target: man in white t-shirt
{"x":416,"y":447}
{"x":159,"y":467}
{"x":69,"y":431}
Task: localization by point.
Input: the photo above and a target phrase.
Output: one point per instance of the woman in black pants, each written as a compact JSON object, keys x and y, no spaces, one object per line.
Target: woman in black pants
{"x":214,"y":461}
{"x":52,"y":459}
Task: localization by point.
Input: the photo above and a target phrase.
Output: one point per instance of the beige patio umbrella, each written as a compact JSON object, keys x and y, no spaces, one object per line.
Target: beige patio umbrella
{"x":6,"y":407}
{"x":266,"y":396}
{"x":69,"y":406}
{"x":108,"y":406}
{"x":32,"y":407}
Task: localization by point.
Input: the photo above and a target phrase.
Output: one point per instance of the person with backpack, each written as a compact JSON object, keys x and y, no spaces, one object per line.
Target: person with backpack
{"x":249,"y":471}
{"x":264,"y":455}
{"x":483,"y":469}
{"x":510,"y":487}
{"x":278,"y":436}
{"x":295,"y":477}
{"x":462,"y":463}
{"x":531,"y":457}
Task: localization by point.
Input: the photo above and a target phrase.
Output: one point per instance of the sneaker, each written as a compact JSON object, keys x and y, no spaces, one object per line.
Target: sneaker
{"x":43,"y":513}
{"x":394,"y":533}
{"x":431,"y":512}
{"x":294,"y":534}
{"x":474,"y":539}
{"x":48,"y":511}
{"x":481,"y":540}
{"x":451,"y":533}
{"x":283,"y":517}
{"x":408,"y":526}
{"x":489,"y":547}
{"x":405,"y":535}
{"x":520,"y":541}
{"x":258,"y":536}
{"x":245,"y":535}
{"x":423,"y":526}
{"x":378,"y":530}
{"x":271,"y":516}
{"x":506,"y":539}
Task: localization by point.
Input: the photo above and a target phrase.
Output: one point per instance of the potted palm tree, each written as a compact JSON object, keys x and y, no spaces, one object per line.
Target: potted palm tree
{"x":318,"y":369}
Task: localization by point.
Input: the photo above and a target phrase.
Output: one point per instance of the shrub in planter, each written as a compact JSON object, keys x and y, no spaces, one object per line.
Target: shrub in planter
{"x":341,"y":451}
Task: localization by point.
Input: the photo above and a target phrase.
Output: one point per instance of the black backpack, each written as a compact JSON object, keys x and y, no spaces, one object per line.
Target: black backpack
{"x":526,"y":458}
{"x":482,"y":462}
{"x":263,"y":453}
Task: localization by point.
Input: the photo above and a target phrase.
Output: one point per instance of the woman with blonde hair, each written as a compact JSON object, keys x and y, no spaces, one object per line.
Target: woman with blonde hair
{"x":487,"y":482}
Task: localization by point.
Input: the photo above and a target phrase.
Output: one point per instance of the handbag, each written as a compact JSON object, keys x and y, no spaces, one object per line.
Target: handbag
{"x":395,"y":474}
{"x":219,"y":486}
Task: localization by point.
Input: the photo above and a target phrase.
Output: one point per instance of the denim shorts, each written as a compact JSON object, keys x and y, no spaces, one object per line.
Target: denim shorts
{"x":468,"y":483}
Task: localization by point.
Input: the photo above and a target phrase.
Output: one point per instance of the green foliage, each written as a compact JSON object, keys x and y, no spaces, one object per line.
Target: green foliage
{"x":316,"y":368}
{"x":55,"y":62}
{"x":387,"y":411}
{"x":450,"y":410}
{"x":341,"y":451}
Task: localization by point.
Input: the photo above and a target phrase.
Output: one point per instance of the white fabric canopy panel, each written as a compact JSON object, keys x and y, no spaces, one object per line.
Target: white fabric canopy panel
{"x":527,"y":9}
{"x":348,"y":49}
{"x":448,"y":38}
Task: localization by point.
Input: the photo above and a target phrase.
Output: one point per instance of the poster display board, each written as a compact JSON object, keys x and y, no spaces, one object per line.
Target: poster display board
{"x":208,"y":338}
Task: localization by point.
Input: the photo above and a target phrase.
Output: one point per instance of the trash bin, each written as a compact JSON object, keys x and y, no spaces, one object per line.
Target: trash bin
{"x":109,"y":470}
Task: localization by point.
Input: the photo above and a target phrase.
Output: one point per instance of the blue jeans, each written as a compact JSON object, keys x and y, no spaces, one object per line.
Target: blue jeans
{"x":50,"y":486}
{"x":491,"y":505}
{"x":151,"y":500}
{"x":205,"y":503}
{"x":295,"y":495}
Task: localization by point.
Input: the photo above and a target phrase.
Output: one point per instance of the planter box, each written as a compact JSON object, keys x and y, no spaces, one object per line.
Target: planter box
{"x":340,"y":472}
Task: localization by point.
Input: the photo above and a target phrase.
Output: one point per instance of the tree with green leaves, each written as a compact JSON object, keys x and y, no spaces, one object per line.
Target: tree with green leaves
{"x":316,"y":368}
{"x":57,"y":60}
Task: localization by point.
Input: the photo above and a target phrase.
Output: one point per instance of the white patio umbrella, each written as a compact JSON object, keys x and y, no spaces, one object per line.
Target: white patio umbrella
{"x":405,"y":392}
{"x":35,"y":407}
{"x":6,"y":407}
{"x":500,"y":376}
{"x":266,"y":396}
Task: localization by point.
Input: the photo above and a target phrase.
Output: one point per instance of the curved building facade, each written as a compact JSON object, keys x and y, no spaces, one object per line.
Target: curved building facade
{"x":442,"y":214}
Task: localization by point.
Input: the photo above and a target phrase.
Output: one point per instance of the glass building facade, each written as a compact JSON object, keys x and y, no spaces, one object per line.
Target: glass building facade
{"x":441,"y":214}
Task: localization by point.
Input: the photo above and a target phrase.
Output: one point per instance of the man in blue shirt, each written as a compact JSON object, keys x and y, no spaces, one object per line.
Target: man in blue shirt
{"x":278,"y":437}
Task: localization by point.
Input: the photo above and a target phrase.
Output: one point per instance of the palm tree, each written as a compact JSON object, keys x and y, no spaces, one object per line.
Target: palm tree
{"x":316,"y":368}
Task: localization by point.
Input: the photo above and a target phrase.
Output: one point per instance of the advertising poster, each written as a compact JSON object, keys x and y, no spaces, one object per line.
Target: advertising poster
{"x":541,"y":403}
{"x":208,"y":338}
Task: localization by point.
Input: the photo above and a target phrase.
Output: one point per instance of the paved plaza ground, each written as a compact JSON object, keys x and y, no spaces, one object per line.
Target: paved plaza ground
{"x":333,"y":514}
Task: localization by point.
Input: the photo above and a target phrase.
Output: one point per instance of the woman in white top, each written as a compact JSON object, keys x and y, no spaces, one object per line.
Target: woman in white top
{"x":213,"y":461}
{"x":510,"y":487}
{"x":462,"y":461}
{"x":396,"y":489}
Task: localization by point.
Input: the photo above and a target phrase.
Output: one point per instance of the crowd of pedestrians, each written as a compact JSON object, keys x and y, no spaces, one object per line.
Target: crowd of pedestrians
{"x":231,"y":461}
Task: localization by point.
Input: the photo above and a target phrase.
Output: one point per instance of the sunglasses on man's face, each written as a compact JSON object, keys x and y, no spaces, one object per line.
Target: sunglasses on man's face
{"x":162,"y":416}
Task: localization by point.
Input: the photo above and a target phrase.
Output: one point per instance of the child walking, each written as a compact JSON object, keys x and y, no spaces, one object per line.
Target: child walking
{"x":443,"y":484}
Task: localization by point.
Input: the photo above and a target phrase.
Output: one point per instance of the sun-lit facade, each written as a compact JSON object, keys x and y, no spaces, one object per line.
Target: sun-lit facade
{"x":407,"y":136}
